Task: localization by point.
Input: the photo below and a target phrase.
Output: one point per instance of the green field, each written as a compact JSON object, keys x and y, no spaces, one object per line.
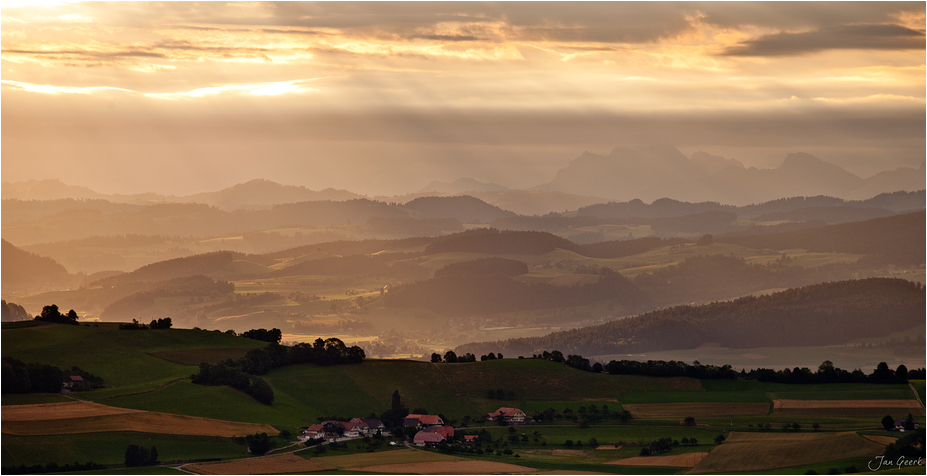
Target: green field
{"x":303,"y":393}
{"x":110,"y":448}
{"x":120,"y":357}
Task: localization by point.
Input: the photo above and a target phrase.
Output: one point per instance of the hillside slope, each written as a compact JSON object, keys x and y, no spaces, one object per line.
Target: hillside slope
{"x":821,"y":314}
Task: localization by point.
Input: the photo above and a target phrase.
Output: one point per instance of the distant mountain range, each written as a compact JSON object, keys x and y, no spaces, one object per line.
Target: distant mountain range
{"x":644,"y":173}
{"x":254,"y":194}
{"x":650,"y":173}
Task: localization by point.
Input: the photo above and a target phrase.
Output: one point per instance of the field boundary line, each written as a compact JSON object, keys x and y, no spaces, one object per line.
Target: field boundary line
{"x":916,"y":395}
{"x":162,"y":387}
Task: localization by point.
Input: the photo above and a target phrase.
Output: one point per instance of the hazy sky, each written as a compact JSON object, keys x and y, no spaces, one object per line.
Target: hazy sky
{"x":382,"y":98}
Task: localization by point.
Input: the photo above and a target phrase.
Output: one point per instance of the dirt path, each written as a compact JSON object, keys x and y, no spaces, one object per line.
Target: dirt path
{"x":916,"y":395}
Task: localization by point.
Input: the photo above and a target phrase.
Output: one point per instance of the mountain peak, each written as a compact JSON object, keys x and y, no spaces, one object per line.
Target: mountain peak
{"x":800,"y":159}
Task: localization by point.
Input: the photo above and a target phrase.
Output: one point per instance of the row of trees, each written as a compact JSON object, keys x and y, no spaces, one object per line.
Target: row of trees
{"x":141,"y":456}
{"x":222,"y":374}
{"x":827,"y":373}
{"x":53,"y":315}
{"x":52,"y":468}
{"x":242,"y":373}
{"x":159,"y":323}
{"x":19,"y":377}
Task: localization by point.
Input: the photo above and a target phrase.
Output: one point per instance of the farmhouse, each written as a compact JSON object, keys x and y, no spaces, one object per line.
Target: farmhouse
{"x":423,"y":438}
{"x":416,"y":420}
{"x":368,"y":426}
{"x":508,"y":415}
{"x":899,"y":424}
{"x":445,"y":431}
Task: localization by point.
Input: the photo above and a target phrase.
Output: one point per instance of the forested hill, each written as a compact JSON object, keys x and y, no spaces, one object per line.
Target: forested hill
{"x":23,"y":270}
{"x":821,"y":314}
{"x":897,"y":239}
{"x":202,"y":264}
{"x":665,"y":207}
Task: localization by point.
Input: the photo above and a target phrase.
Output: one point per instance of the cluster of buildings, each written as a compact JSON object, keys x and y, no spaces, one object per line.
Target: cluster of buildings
{"x":332,"y":430}
{"x":431,"y":428}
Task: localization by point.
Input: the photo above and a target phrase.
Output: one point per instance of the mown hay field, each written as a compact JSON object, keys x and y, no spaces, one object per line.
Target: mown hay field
{"x":276,"y":464}
{"x":697,"y":410}
{"x":764,"y":451}
{"x":403,"y":456}
{"x":58,"y":411}
{"x":450,"y":467}
{"x":847,"y":408}
{"x":882,"y":440}
{"x":130,"y":420}
{"x":686,"y":460}
{"x":793,"y":404}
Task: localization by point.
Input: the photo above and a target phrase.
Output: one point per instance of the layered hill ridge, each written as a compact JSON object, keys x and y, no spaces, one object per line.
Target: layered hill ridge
{"x":822,"y":314}
{"x":462,"y":185}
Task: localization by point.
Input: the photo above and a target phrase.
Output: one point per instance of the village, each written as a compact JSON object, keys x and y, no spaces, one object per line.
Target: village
{"x":431,"y":428}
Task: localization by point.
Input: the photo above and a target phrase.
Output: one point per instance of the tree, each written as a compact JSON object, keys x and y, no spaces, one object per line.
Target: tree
{"x":901,"y":373}
{"x":568,"y":443}
{"x":705,"y":240}
{"x":909,"y":423}
{"x":888,"y":422}
{"x":140,"y":456}
{"x":689,"y":421}
{"x":274,"y":335}
{"x":261,"y":391}
{"x":720,"y":439}
{"x":450,"y":357}
{"x":259,"y":443}
{"x":435,"y":358}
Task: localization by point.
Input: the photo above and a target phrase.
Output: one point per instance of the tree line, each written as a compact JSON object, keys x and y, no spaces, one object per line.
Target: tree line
{"x":19,"y":377}
{"x":52,"y":315}
{"x":159,"y":323}
{"x":242,"y":374}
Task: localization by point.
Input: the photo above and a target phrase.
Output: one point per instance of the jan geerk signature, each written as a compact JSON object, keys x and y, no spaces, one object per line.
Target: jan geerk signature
{"x":880,"y":461}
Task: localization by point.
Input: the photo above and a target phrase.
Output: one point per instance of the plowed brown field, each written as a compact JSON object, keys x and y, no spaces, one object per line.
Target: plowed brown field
{"x":687,"y":460}
{"x":276,"y":464}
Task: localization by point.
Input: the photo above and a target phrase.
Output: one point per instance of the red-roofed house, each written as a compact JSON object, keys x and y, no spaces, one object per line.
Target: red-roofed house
{"x":314,"y":431}
{"x":423,"y":438}
{"x":350,"y":429}
{"x":445,"y":431}
{"x":423,"y":419}
{"x":509,"y":415}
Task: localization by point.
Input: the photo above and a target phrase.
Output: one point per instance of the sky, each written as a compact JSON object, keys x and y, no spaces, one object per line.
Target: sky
{"x":382,"y":98}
